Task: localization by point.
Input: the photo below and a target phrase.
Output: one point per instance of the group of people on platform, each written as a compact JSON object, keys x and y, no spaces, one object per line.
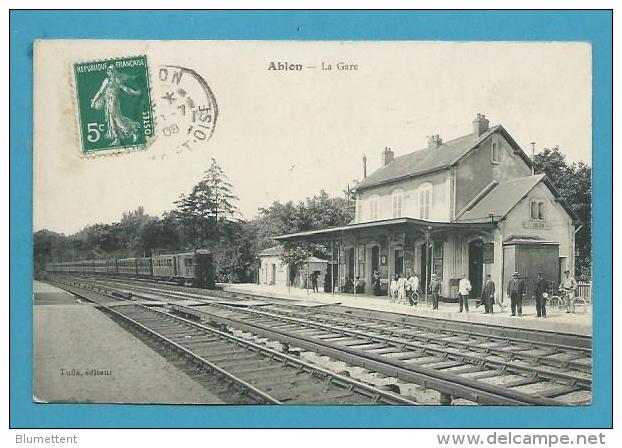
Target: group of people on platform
{"x":405,"y":289}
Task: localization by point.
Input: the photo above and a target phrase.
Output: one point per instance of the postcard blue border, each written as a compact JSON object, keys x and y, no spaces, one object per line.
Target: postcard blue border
{"x":25,"y":26}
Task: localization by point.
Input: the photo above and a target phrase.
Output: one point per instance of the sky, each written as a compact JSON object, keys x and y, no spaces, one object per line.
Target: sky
{"x":285,"y":135}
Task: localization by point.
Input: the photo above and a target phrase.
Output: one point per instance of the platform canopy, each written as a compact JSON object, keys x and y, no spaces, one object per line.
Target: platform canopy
{"x":395,"y":225}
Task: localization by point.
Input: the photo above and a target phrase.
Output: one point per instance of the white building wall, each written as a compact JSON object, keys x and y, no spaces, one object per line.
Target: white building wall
{"x":440,"y":208}
{"x":557,"y":225}
{"x":265,"y":271}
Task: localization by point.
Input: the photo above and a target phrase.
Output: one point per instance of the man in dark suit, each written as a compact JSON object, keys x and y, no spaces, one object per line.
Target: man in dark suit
{"x":541,"y":288}
{"x":516,"y":290}
{"x":488,"y":295}
{"x":435,"y":290}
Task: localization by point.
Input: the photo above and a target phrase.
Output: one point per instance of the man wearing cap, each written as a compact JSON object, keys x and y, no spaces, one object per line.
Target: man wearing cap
{"x":435,"y":290}
{"x":516,"y":290}
{"x":541,"y":292}
{"x":488,"y":295}
{"x":568,"y":285}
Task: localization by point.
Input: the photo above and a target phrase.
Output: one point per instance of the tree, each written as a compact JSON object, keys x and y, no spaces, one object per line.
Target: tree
{"x":210,"y":203}
{"x":49,"y":247}
{"x":317,"y":212}
{"x":161,"y":235}
{"x":574,"y":183}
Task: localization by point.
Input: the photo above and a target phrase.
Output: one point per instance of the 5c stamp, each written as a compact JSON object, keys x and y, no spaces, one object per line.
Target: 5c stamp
{"x":114,"y":104}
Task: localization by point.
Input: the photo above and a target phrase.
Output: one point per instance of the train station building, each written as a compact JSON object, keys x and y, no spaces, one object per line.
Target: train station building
{"x":469,"y":206}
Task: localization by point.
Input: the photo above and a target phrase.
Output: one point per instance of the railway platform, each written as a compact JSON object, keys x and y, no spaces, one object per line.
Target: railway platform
{"x":81,"y":355}
{"x":556,"y":321}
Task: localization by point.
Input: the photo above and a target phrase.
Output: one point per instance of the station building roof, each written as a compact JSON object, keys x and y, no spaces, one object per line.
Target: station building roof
{"x":432,"y":159}
{"x":502,"y":197}
{"x":275,"y":251}
{"x":395,"y":224}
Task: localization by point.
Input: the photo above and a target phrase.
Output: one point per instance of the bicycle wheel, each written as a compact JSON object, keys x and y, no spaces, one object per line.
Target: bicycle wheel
{"x":555,"y":303}
{"x":414,"y":298}
{"x":580,"y":305}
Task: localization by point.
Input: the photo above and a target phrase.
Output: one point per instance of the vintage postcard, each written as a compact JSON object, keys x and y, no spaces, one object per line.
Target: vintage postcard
{"x":318,"y":223}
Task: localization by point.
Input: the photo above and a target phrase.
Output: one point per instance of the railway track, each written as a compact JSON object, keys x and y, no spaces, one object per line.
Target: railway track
{"x":506,"y":353}
{"x":477,"y":368}
{"x":261,"y":374}
{"x":489,"y":330}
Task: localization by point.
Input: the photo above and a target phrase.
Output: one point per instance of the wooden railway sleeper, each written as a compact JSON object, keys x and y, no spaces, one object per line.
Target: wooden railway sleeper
{"x":403,"y":347}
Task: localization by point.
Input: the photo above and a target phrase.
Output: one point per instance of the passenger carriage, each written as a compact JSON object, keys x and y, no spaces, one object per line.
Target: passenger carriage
{"x":195,"y":268}
{"x":100,"y":266}
{"x":144,"y":267}
{"x":163,"y":267}
{"x":189,"y":268}
{"x":127,"y":266}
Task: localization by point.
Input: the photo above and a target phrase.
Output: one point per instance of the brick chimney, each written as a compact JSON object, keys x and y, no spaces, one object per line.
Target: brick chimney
{"x":480,"y":125}
{"x":387,"y":156}
{"x":434,"y":141}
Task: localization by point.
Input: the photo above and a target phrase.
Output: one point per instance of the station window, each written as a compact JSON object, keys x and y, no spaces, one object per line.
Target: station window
{"x":425,"y":199}
{"x":397,"y":199}
{"x":358,"y":205}
{"x":361,"y":261}
{"x":437,"y":257}
{"x":494,"y":157}
{"x":373,"y":207}
{"x":537,"y":210}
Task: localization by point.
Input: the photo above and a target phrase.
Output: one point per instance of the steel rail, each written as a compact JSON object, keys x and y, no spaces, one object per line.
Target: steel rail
{"x":372,"y":393}
{"x":542,"y":337}
{"x":443,"y":382}
{"x":238,"y":383}
{"x":530,"y":372}
{"x":446,"y":325}
{"x":513,"y":355}
{"x":462,"y":357}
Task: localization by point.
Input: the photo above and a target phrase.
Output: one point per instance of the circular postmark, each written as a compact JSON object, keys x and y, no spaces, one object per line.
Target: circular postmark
{"x":187,"y":111}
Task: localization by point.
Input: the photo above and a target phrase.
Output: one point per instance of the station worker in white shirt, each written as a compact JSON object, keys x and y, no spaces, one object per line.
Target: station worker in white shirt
{"x":464,"y":289}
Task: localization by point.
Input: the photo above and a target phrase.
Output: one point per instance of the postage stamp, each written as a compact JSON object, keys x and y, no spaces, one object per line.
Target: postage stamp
{"x":113,"y":98}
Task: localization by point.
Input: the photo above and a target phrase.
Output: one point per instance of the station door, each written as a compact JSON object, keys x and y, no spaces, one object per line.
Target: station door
{"x":528,"y":260}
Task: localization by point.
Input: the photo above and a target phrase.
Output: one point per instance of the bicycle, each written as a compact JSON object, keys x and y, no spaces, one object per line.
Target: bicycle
{"x":560,"y":302}
{"x":414,"y":298}
{"x":581,"y":304}
{"x":557,"y":302}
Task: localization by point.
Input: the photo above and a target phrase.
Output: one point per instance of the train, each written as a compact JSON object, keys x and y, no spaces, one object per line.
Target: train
{"x":194,"y":268}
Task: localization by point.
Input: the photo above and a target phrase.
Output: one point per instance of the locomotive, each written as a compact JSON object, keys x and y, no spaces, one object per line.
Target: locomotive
{"x":188,"y":268}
